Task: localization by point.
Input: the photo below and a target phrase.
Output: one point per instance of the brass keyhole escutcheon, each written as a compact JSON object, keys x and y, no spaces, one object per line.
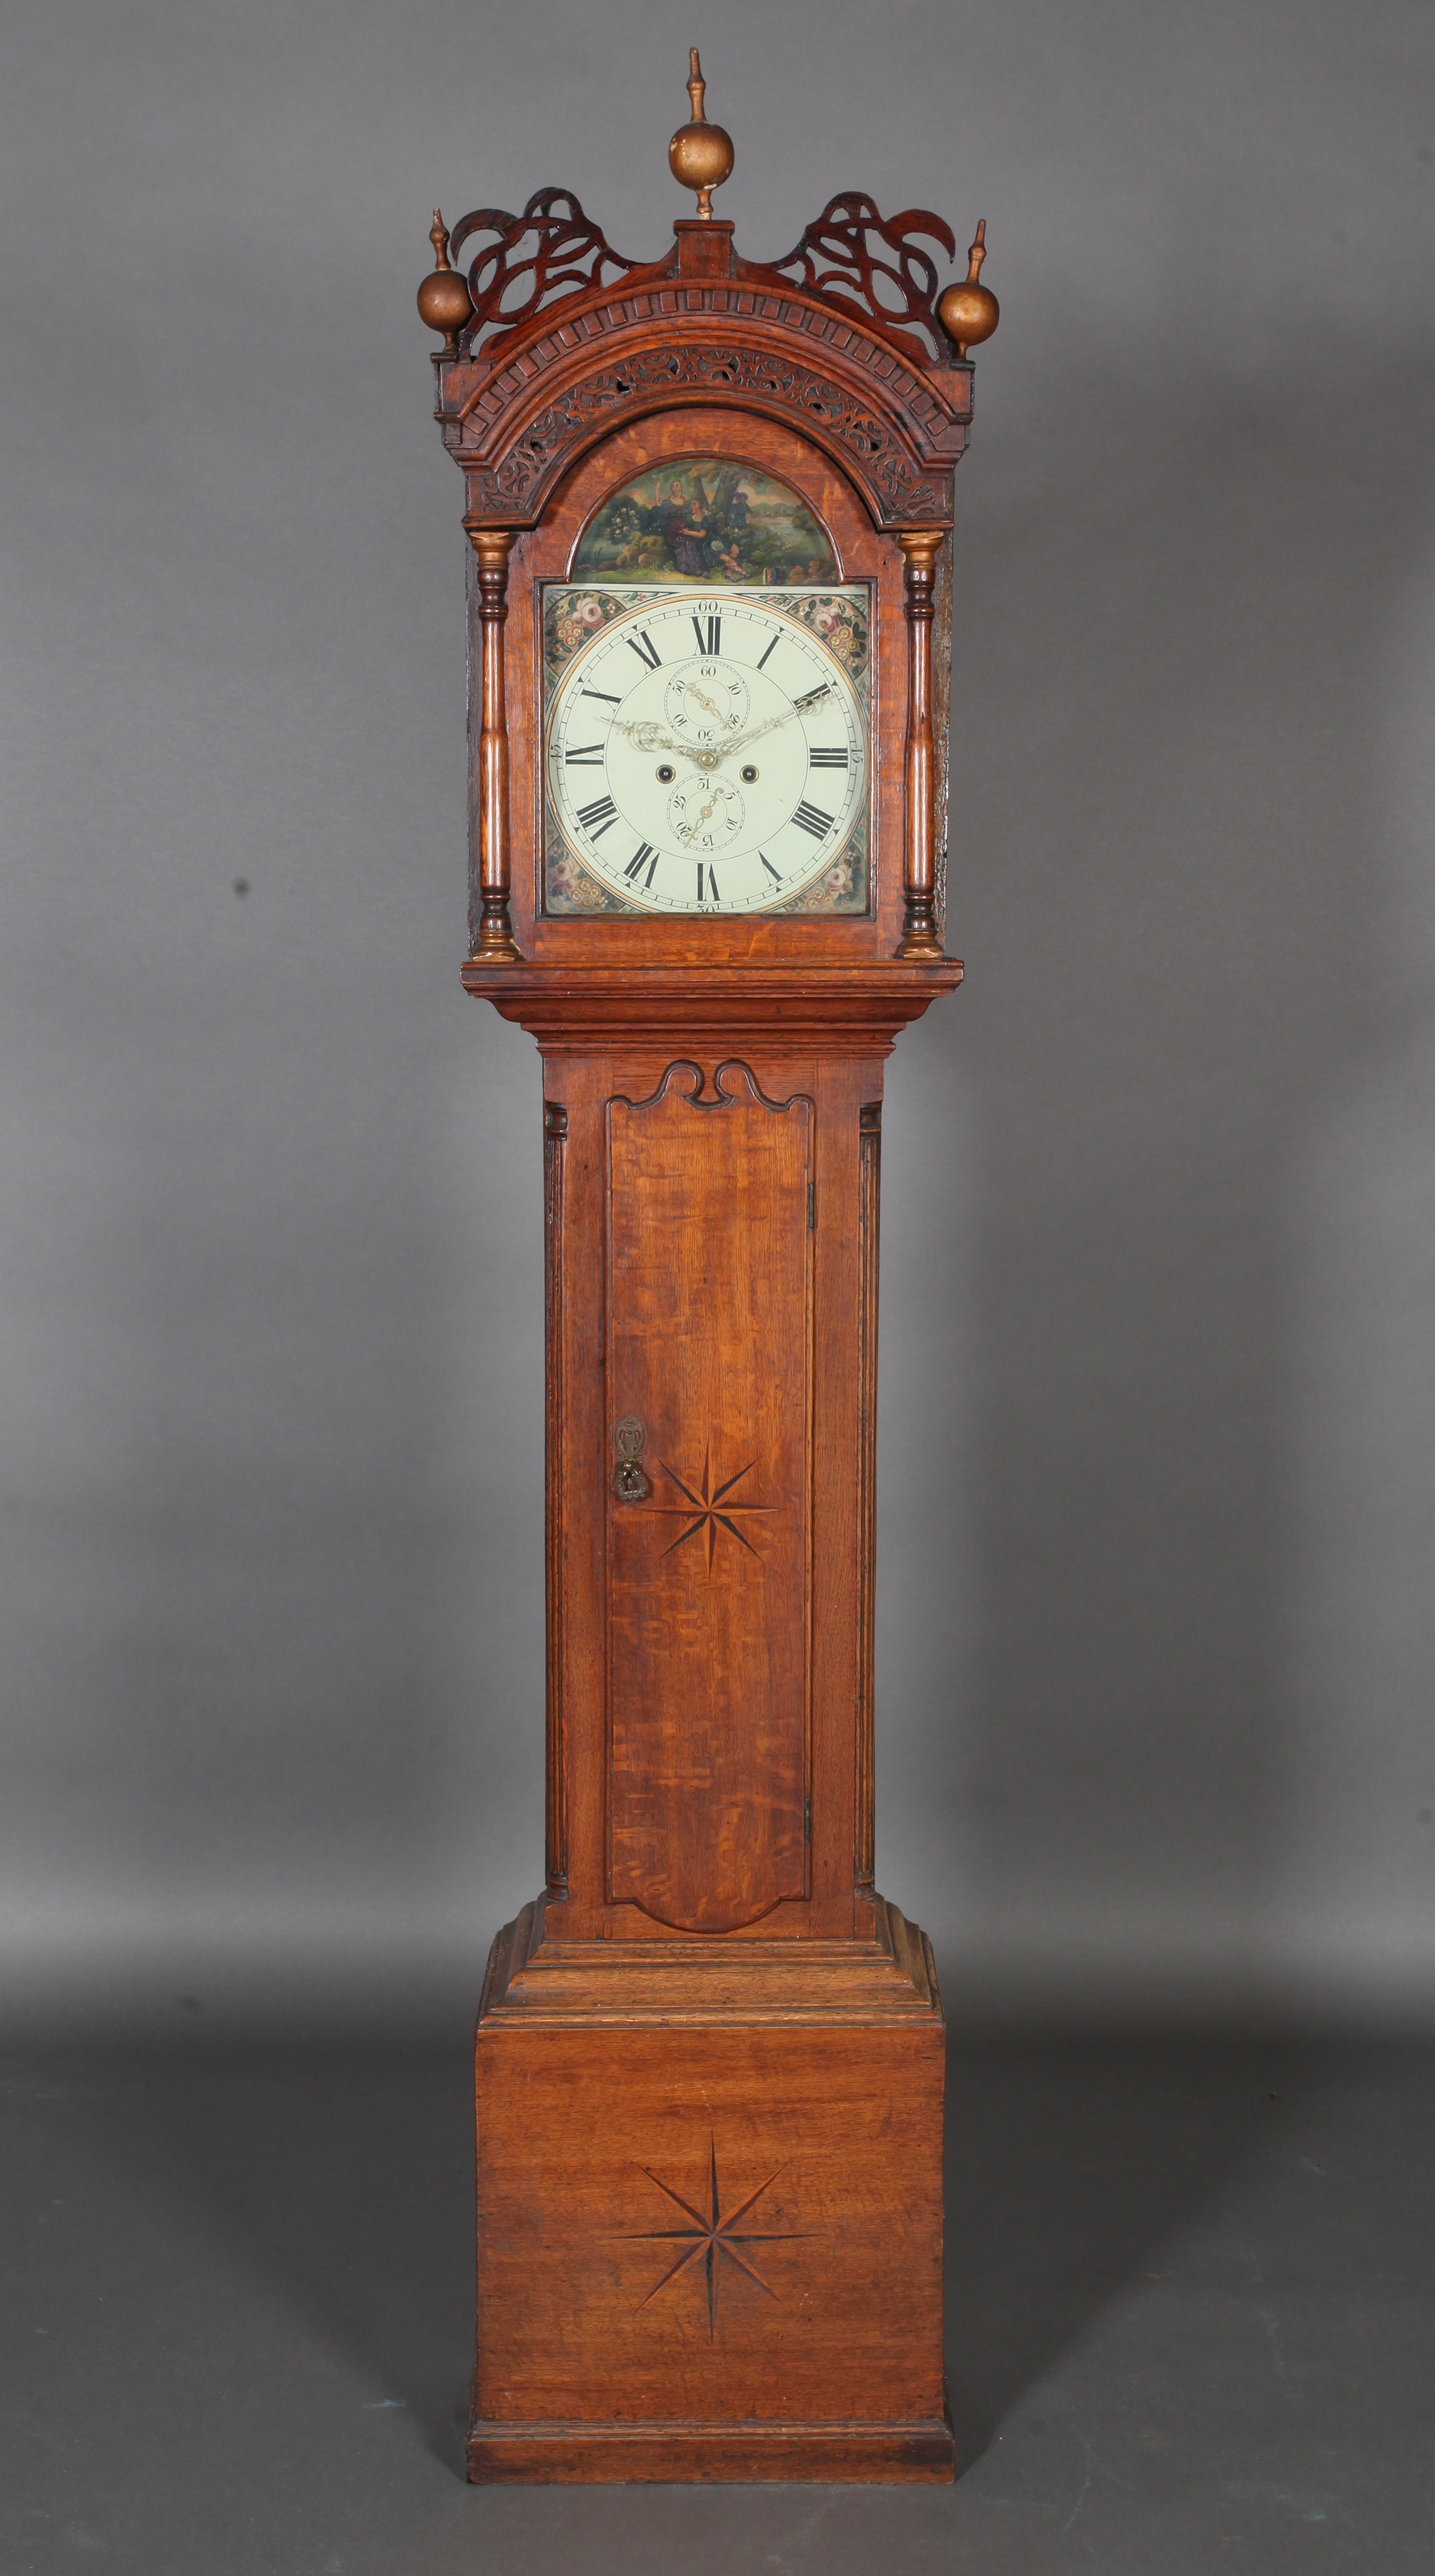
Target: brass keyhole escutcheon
{"x":629,"y":1482}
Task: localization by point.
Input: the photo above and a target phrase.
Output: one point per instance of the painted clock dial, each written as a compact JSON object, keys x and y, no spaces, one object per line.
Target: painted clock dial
{"x":706,"y":752}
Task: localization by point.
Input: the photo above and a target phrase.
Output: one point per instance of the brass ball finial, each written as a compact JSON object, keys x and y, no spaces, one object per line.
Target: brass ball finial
{"x":700,"y":155}
{"x":969,"y":311}
{"x":443,"y":299}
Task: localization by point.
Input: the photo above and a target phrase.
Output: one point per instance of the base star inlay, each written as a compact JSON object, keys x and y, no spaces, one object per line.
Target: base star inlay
{"x":709,"y":2236}
{"x":709,"y":1508}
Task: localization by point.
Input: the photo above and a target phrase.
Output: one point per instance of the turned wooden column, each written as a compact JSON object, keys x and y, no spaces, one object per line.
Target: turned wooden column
{"x":493,"y":547}
{"x":920,"y":547}
{"x":555,"y":1485}
{"x":869,"y":1186}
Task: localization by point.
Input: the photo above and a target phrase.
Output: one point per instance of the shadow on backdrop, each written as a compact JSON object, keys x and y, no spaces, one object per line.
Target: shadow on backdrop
{"x":1071,"y":2162}
{"x":1177,"y":880}
{"x":340,"y":2174}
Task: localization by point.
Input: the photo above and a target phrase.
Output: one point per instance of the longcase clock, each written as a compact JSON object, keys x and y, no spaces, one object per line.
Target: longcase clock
{"x":709,"y":504}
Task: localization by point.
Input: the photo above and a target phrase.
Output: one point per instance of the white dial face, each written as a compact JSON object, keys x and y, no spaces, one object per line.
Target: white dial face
{"x":706,"y":755}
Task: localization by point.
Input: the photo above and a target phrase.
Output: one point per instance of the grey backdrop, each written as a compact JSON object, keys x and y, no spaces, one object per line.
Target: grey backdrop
{"x":1158,"y":1384}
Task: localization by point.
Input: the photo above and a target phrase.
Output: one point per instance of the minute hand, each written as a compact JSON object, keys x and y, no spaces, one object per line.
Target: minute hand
{"x":799,"y":707}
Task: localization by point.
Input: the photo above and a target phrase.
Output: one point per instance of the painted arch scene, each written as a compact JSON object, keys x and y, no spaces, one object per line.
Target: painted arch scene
{"x":705,"y":520}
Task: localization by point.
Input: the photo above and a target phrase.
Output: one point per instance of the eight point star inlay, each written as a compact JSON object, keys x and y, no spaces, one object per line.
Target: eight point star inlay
{"x":710,"y":2236}
{"x":709,"y":1508}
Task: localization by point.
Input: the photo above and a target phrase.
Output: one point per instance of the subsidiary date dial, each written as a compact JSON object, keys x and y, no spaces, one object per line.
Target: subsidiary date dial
{"x":706,"y":755}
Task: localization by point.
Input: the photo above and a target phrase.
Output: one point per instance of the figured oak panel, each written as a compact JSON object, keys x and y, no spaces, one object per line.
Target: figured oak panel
{"x":752,"y":2232}
{"x":709,"y":1351}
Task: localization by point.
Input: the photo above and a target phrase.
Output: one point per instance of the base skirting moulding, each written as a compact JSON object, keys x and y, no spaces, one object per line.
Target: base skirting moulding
{"x":876,"y":2453}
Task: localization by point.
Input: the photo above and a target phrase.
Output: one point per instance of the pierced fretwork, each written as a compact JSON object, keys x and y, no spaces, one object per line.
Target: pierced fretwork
{"x":839,"y":258}
{"x":549,"y":251}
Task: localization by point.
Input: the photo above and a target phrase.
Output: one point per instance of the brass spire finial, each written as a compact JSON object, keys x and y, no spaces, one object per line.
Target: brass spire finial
{"x":697,"y":86}
{"x":969,"y":312}
{"x":700,"y":155}
{"x":443,"y":299}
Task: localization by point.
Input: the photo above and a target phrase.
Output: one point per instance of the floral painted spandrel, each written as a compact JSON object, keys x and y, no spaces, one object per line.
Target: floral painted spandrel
{"x":572,"y":617}
{"x":706,"y":520}
{"x":842,"y":621}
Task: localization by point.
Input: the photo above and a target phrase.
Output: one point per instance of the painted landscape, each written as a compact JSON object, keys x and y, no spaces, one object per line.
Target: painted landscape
{"x":707,"y":521}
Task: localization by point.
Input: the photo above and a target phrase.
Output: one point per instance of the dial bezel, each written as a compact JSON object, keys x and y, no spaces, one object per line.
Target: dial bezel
{"x":639,"y":606}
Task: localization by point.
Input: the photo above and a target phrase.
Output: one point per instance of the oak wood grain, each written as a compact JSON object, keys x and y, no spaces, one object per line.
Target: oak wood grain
{"x":709,"y":1349}
{"x":853,"y":1009}
{"x":709,"y":2209}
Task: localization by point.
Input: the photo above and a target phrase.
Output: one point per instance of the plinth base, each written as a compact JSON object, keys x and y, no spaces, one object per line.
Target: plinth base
{"x":710,"y":2209}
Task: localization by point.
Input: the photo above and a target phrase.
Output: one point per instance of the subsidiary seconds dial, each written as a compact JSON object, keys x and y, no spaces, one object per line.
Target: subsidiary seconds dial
{"x":706,"y":755}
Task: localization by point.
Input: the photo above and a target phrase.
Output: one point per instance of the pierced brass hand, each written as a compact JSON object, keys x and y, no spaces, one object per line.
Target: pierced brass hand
{"x":757,"y":732}
{"x":799,"y":707}
{"x":695,"y":692}
{"x":646,"y":737}
{"x":719,"y":792}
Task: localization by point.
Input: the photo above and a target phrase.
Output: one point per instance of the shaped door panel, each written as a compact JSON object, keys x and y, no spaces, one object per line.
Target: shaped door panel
{"x":709,"y":1352}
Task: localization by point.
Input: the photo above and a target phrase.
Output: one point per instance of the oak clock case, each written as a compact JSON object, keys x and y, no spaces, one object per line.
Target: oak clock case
{"x":708,"y":503}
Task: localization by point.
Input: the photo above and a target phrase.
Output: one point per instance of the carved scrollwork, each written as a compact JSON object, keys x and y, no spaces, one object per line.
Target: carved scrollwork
{"x":838,"y":259}
{"x":905,"y":495}
{"x":549,"y":251}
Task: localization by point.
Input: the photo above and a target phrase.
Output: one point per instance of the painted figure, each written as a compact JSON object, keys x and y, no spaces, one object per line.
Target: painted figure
{"x":706,"y":521}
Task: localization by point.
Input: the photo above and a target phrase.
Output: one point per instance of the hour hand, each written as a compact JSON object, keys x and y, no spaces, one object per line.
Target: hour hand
{"x":645,"y":736}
